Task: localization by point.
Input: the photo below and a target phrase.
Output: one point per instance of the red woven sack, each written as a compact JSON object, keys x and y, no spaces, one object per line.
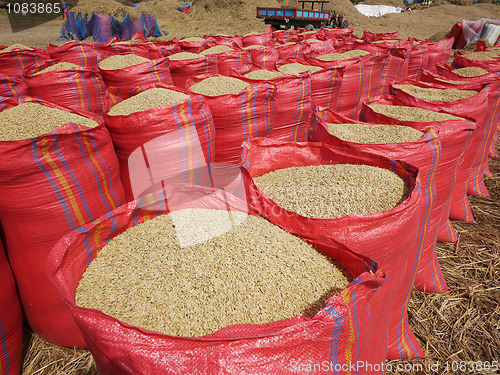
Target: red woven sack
{"x":123,"y":83}
{"x":322,"y":47}
{"x":162,"y":48}
{"x":186,"y":128}
{"x":455,"y":137}
{"x":369,"y":36}
{"x":265,"y":57}
{"x":193,"y":46}
{"x":12,"y":86}
{"x":425,"y":154}
{"x":391,"y":237}
{"x":336,"y":337}
{"x":365,"y":77}
{"x":13,"y":63}
{"x":225,"y":61}
{"x":285,"y":36}
{"x":233,"y":41}
{"x":315,"y":34}
{"x":476,"y":107}
{"x":426,"y":55}
{"x":81,"y":53}
{"x":460,"y":60}
{"x":183,"y":70}
{"x":114,"y":47}
{"x":50,"y":185}
{"x":81,"y":87}
{"x":293,"y":108}
{"x":11,"y":321}
{"x":251,"y":113}
{"x":342,"y":34}
{"x":263,"y":39}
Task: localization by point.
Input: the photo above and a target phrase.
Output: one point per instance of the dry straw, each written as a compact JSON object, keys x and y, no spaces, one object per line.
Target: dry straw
{"x":148,"y":99}
{"x":342,"y":56}
{"x":183,"y":56}
{"x":121,"y":61}
{"x":470,"y":71}
{"x":246,"y":271}
{"x":215,"y":86}
{"x":263,"y":74}
{"x":57,"y":67}
{"x":431,"y":94}
{"x":15,"y":46}
{"x":374,"y":133}
{"x":406,"y":113}
{"x":332,"y":191}
{"x":30,"y":120}
{"x":215,"y":50}
{"x":297,"y":68}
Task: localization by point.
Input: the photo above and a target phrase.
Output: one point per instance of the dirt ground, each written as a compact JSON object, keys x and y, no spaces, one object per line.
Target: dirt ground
{"x":238,"y":17}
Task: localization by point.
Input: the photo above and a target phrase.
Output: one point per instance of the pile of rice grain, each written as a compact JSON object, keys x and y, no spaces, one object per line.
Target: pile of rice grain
{"x":183,"y":56}
{"x":15,"y":46}
{"x":374,"y":133}
{"x":30,"y":120}
{"x":342,"y":56}
{"x":121,"y":61}
{"x":263,"y":74}
{"x":332,"y":191}
{"x":470,"y":71}
{"x":407,"y":113}
{"x":192,"y":39}
{"x":430,"y":94}
{"x":490,"y":55}
{"x":58,"y":66}
{"x":246,"y":270}
{"x":297,"y":68}
{"x":215,"y":50}
{"x":215,"y":86}
{"x":148,"y":99}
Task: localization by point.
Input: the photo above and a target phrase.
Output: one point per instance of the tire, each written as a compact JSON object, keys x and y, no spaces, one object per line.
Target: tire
{"x":309,"y":27}
{"x":345,"y":24}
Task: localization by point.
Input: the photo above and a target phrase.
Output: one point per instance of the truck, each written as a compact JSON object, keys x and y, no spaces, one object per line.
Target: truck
{"x":310,"y":19}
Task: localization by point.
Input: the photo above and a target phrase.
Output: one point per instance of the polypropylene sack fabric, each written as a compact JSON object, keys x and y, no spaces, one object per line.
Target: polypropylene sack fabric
{"x":225,"y":61}
{"x":333,"y":33}
{"x":251,"y":113}
{"x":391,"y":237}
{"x":322,"y":47}
{"x":293,"y":109}
{"x":266,"y":57}
{"x":123,"y":83}
{"x":13,"y":63}
{"x":11,"y":321}
{"x":113,"y":47}
{"x":400,"y":49}
{"x":475,"y":158}
{"x":264,"y":38}
{"x":50,"y":185}
{"x":338,"y":336}
{"x":316,"y":34}
{"x":81,"y":53}
{"x":460,"y":60}
{"x":426,"y":55}
{"x":425,"y":154}
{"x":174,"y":142}
{"x":162,"y":48}
{"x":233,"y":41}
{"x":371,"y":37}
{"x":12,"y":86}
{"x":193,"y":46}
{"x":79,"y":87}
{"x":455,"y":137}
{"x":183,"y":70}
{"x":285,"y":36}
{"x":365,"y":77}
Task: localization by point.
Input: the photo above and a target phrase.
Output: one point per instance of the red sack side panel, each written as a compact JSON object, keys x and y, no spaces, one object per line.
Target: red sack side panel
{"x":183,"y":70}
{"x":264,"y":38}
{"x":13,"y":63}
{"x":233,"y":41}
{"x":369,"y":36}
{"x":426,"y":55}
{"x":162,"y":48}
{"x":193,"y":46}
{"x":265,"y":57}
{"x":81,"y":87}
{"x":285,"y":36}
{"x":397,"y":255}
{"x":12,"y":86}
{"x":340,"y":334}
{"x":460,"y":60}
{"x":225,"y":61}
{"x":50,"y":185}
{"x":332,"y":33}
{"x":11,"y":321}
{"x":112,"y":47}
{"x":81,"y":53}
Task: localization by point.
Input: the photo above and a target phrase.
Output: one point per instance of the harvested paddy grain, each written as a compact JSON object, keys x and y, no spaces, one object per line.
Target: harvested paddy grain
{"x":342,"y":56}
{"x":450,"y":81}
{"x":263,"y":74}
{"x":193,"y":39}
{"x":216,"y":49}
{"x":387,"y":41}
{"x":127,"y":42}
{"x":184,"y":56}
{"x":30,"y":120}
{"x":121,"y":61}
{"x":148,"y":99}
{"x":285,"y":44}
{"x":314,"y":41}
{"x":215,"y":86}
{"x":332,"y":191}
{"x":374,"y":133}
{"x":406,"y":113}
{"x":470,"y":71}
{"x":431,"y":94}
{"x":245,"y":271}
{"x":491,"y":55}
{"x":297,"y":68}
{"x":57,"y":67}
{"x":15,"y":46}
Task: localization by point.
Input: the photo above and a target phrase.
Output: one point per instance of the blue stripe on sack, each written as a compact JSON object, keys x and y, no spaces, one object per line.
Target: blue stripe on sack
{"x":189,"y":114}
{"x":74,"y":88}
{"x":85,"y":87}
{"x":135,"y":215}
{"x":242,"y":111}
{"x":360,"y":65}
{"x":253,"y":117}
{"x":336,"y":335}
{"x":100,"y":91}
{"x":206,"y":123}
{"x":179,"y":127}
{"x":50,"y":179}
{"x":268,"y":99}
{"x":356,"y":323}
{"x":114,"y":226}
{"x":71,"y":174}
{"x":4,"y":348}
{"x":94,"y":173}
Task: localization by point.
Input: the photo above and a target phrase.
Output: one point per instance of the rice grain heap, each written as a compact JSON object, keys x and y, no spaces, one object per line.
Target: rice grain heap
{"x":431,"y":94}
{"x":15,"y":46}
{"x":121,"y":61}
{"x":58,"y":66}
{"x":490,"y":55}
{"x":374,"y":133}
{"x":246,"y":270}
{"x":192,"y":39}
{"x":332,"y":191}
{"x":470,"y":71}
{"x":215,"y":86}
{"x":215,"y":50}
{"x":407,"y":113}
{"x":342,"y":56}
{"x":450,"y":81}
{"x":263,"y":74}
{"x":297,"y":68}
{"x":183,"y":56}
{"x":148,"y":99}
{"x":30,"y":120}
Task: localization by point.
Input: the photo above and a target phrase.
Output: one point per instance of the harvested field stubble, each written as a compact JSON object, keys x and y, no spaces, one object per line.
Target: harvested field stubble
{"x":374,"y":133}
{"x":435,"y":95}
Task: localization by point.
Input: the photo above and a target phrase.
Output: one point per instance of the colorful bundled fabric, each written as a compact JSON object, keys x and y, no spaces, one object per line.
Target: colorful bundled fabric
{"x":11,"y":321}
{"x":426,"y":55}
{"x":256,"y":109}
{"x":455,"y":137}
{"x":125,"y":82}
{"x":81,"y":53}
{"x":49,"y":186}
{"x":80,"y":87}
{"x":263,"y":39}
{"x":187,"y":128}
{"x":12,"y":86}
{"x":425,"y":154}
{"x":339,"y":335}
{"x":12,"y":63}
{"x":375,"y":235}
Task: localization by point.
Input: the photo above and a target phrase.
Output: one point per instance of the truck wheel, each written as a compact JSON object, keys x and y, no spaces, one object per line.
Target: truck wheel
{"x":309,"y":27}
